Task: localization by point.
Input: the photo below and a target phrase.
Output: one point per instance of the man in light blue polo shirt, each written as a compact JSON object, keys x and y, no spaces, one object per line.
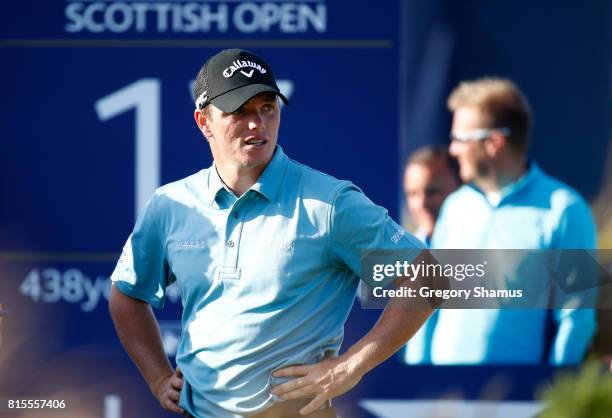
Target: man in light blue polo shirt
{"x":266,"y":254}
{"x":508,"y":203}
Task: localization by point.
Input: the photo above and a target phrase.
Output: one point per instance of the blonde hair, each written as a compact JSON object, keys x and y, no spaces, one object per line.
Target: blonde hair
{"x":501,"y":103}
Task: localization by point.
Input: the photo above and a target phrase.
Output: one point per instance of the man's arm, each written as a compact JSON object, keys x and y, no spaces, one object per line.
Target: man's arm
{"x":575,"y":327}
{"x":139,"y":333}
{"x":357,"y":225}
{"x":335,"y":376}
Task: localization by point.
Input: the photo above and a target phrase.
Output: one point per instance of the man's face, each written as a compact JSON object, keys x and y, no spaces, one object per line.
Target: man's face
{"x":472,"y":157}
{"x":426,"y":186}
{"x":247,"y":137}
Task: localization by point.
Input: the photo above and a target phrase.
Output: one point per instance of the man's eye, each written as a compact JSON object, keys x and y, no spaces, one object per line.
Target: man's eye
{"x":268,"y":107}
{"x":238,"y":111}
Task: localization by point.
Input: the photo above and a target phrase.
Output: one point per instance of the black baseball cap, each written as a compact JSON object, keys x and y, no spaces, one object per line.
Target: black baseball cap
{"x":231,"y":77}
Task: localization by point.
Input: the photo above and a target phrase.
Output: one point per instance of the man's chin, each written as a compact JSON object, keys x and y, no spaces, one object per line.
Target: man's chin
{"x":466,"y":176}
{"x":256,"y":161}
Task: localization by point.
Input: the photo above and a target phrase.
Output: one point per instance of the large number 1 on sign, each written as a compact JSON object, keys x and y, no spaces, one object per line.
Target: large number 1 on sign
{"x":144,"y":96}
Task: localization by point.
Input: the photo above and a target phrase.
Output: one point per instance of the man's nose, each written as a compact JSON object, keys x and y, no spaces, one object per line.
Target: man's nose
{"x":453,"y":148}
{"x":255,"y":121}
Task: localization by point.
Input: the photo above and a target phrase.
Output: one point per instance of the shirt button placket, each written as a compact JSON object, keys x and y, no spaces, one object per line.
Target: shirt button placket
{"x":232,"y":244}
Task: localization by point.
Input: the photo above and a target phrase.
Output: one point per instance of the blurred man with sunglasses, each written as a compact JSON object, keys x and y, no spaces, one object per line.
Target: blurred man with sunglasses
{"x":508,"y":202}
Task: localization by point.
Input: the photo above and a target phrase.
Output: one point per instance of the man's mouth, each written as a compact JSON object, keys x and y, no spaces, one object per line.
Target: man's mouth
{"x":256,"y":142}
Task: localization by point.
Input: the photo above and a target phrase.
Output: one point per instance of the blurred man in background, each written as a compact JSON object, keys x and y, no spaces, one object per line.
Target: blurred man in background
{"x":508,"y":202}
{"x":430,"y":175}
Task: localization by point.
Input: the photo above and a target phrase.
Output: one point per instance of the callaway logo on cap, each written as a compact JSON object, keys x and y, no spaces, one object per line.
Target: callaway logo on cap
{"x":236,"y":65}
{"x":231,"y":77}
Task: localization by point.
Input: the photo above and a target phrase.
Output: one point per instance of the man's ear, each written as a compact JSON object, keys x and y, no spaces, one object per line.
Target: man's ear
{"x":497,"y":141}
{"x":203,"y":123}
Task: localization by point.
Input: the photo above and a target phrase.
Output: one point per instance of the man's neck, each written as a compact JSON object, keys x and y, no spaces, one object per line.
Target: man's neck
{"x":503,"y":174}
{"x":239,"y":179}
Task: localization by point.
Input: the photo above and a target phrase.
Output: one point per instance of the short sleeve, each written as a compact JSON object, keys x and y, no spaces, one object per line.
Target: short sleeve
{"x":142,"y":270}
{"x":358,"y":226}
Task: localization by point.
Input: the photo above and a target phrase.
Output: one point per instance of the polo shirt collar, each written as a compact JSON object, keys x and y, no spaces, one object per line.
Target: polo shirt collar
{"x":270,"y":180}
{"x":267,"y":184}
{"x":215,"y":185}
{"x":520,"y":184}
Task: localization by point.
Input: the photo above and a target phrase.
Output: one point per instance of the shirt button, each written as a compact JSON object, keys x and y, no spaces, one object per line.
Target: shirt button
{"x":230,"y":243}
{"x":236,"y":214}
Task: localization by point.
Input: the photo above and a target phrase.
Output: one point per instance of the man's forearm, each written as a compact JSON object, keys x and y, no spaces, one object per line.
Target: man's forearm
{"x":396,"y":325}
{"x":400,"y":320}
{"x":334,"y":376}
{"x":139,"y":333}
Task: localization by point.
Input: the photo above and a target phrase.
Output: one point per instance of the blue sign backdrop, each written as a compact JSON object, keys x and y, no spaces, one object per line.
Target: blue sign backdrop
{"x":100,"y":112}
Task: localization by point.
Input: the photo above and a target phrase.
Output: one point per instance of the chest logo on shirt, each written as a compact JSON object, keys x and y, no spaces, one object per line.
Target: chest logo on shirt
{"x":189,"y":245}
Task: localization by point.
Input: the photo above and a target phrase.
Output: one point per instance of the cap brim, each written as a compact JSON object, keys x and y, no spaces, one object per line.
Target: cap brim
{"x":229,"y":102}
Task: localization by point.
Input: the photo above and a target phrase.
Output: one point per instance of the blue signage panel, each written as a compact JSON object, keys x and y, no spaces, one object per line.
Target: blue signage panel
{"x":98,"y":112}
